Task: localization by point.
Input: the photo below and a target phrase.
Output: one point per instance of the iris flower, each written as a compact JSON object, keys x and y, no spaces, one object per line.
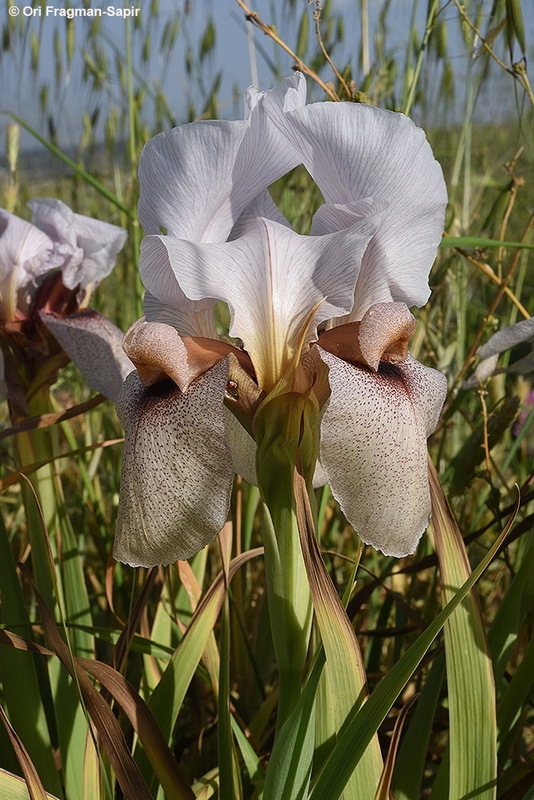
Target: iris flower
{"x":48,"y":268}
{"x":213,"y":233}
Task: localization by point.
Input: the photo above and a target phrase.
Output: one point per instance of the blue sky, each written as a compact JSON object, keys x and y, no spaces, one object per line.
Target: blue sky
{"x":69,"y":96}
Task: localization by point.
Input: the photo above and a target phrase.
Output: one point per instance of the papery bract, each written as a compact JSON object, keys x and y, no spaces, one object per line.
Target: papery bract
{"x":520,"y":333}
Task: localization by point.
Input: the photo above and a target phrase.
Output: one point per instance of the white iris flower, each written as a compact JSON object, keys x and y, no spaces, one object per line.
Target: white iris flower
{"x":214,"y":234}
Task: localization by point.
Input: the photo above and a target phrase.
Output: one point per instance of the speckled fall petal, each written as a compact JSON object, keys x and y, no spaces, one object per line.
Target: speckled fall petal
{"x":177,"y":470}
{"x":95,"y":345}
{"x":373,"y":448}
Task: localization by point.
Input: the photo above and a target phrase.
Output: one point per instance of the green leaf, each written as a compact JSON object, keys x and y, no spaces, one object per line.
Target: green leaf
{"x":18,"y":674}
{"x":412,"y":755}
{"x":515,"y":699}
{"x":345,"y":673}
{"x":511,"y":615}
{"x":476,"y":241}
{"x":360,"y":729}
{"x":472,"y":763}
{"x":290,"y":764}
{"x":252,"y":762}
{"x":168,"y":696}
{"x":227,"y":787}
{"x":12,"y":787}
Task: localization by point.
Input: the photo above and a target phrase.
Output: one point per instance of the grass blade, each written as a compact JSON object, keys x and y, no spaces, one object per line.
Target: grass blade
{"x":31,"y":776}
{"x":12,"y":787}
{"x":361,"y":728}
{"x":472,"y":715}
{"x":109,"y":732}
{"x":477,"y":241}
{"x":290,"y":765}
{"x":346,"y":675}
{"x":86,"y":176}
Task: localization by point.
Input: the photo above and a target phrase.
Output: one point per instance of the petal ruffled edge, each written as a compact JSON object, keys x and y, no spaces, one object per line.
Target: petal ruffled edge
{"x":196,"y":180}
{"x":356,"y":152}
{"x":88,"y":247}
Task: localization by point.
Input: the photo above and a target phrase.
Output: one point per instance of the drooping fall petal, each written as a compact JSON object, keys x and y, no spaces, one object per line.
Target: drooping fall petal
{"x":177,"y":470}
{"x":373,"y":448}
{"x":356,"y":153}
{"x":95,"y":346}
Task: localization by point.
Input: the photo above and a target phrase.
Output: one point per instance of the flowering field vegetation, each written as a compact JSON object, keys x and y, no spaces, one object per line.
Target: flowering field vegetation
{"x":258,"y":608}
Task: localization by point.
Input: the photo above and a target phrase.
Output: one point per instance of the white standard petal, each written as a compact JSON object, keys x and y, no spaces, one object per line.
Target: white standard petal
{"x":95,"y":345}
{"x":262,"y":206}
{"x":279,"y":285}
{"x":373,"y":448}
{"x":25,"y":253}
{"x":355,"y":152}
{"x":177,"y":471}
{"x":89,"y":247}
{"x":184,"y":319}
{"x":197,"y":179}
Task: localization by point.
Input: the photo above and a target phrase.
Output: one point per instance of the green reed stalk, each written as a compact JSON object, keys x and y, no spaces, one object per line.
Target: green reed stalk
{"x":132,"y":150}
{"x":58,"y":570}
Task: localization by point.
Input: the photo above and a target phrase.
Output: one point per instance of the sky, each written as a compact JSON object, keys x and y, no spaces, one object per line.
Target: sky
{"x":69,"y":95}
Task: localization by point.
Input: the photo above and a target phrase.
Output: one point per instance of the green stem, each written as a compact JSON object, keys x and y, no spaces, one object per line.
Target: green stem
{"x":289,"y":600}
{"x":433,"y":11}
{"x":280,"y":428}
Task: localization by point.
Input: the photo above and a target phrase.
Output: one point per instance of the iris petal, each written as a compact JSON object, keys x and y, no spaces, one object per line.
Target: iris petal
{"x":89,"y":247}
{"x":177,"y":472}
{"x":272,"y":279}
{"x":95,"y":346}
{"x":25,"y":253}
{"x":197,"y":179}
{"x":356,"y":152}
{"x":373,"y":448}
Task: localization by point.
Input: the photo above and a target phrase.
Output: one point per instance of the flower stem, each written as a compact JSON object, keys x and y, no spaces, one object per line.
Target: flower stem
{"x":290,"y":606}
{"x":280,"y":427}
